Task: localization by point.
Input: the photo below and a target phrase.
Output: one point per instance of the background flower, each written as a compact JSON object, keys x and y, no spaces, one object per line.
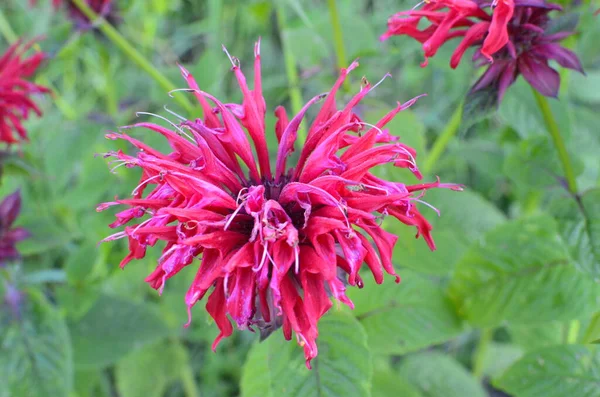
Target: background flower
{"x":516,"y":39}
{"x":9,"y":235}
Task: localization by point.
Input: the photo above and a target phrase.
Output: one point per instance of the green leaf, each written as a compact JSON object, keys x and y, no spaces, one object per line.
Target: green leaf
{"x":453,"y":232}
{"x":580,"y":228}
{"x":569,"y":370}
{"x":35,"y":350}
{"x":534,"y":164}
{"x":522,"y":273}
{"x":79,"y":263}
{"x":592,"y":332}
{"x":500,"y":356}
{"x":147,"y":372}
{"x":531,"y":337}
{"x":387,"y":383}
{"x":439,"y":375}
{"x":111,"y":329}
{"x":342,"y":368}
{"x":404,"y":317}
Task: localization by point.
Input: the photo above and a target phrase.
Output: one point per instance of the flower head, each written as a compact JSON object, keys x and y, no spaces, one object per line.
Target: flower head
{"x":513,"y":40}
{"x":9,"y":235}
{"x":276,"y":242}
{"x":16,"y":90}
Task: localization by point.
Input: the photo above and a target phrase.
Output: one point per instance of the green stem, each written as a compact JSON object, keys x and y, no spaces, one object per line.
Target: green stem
{"x":557,"y":139}
{"x":442,"y":141}
{"x":290,"y":70}
{"x":189,"y":384}
{"x":481,"y":351}
{"x":113,"y":35}
{"x":338,"y":37}
{"x":6,"y":30}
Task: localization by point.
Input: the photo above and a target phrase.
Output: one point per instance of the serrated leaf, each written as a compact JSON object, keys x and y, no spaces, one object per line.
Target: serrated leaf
{"x":405,"y":317}
{"x":521,"y":273}
{"x":559,"y":371}
{"x":343,"y":367}
{"x":439,"y":375}
{"x":112,"y":328}
{"x":580,"y":228}
{"x":35,"y":349}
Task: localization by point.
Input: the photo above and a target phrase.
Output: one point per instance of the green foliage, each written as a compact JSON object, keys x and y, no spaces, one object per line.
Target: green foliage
{"x":521,"y":273}
{"x":342,"y":368}
{"x":35,"y":347}
{"x":406,"y":317}
{"x":516,"y":253}
{"x":555,"y":372}
{"x":387,"y":382}
{"x":580,"y":227}
{"x":98,"y":342}
{"x":438,"y":375}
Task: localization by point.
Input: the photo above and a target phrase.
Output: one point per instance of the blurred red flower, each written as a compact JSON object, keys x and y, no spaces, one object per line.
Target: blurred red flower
{"x":276,"y":242}
{"x":16,"y":91}
{"x":515,"y":39}
{"x":9,"y":236}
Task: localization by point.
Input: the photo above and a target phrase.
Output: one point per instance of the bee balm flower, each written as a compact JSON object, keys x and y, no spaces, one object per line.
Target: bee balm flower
{"x":16,"y":91}
{"x":514,"y":40}
{"x":9,"y":235}
{"x":275,"y":242}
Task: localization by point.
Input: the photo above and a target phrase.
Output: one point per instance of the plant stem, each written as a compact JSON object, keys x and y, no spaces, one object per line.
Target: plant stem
{"x":442,"y":141}
{"x":338,"y":37}
{"x":481,"y":350}
{"x":6,"y":30}
{"x":290,"y":69}
{"x":558,"y":141}
{"x":113,"y":35}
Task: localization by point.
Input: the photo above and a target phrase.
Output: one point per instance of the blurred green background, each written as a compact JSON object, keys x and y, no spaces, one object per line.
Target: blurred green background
{"x":516,"y":268}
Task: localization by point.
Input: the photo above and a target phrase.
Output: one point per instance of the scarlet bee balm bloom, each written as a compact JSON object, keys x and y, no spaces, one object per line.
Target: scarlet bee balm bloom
{"x":16,"y":90}
{"x":275,"y":242}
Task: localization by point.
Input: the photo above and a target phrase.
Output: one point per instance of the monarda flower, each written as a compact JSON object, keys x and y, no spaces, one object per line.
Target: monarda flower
{"x":16,"y":92}
{"x":275,"y":241}
{"x":515,"y":39}
{"x":9,"y":235}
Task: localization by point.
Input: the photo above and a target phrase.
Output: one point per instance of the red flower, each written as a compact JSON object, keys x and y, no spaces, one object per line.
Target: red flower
{"x":16,"y":91}
{"x":514,"y":39}
{"x":9,"y":236}
{"x":275,"y":242}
